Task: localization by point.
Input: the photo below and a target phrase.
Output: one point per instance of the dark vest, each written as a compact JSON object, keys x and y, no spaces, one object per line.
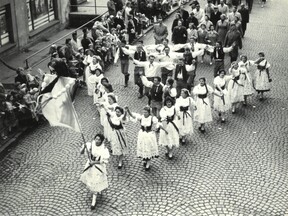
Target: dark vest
{"x":140,"y":58}
{"x":156,"y":95}
{"x":221,"y":54}
{"x":122,"y":55}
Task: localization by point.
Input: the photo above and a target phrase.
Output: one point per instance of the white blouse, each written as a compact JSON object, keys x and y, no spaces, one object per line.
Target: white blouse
{"x":185,"y":102}
{"x":168,"y":112}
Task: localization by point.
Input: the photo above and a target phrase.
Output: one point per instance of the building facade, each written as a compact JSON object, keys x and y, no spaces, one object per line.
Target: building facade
{"x":24,"y":22}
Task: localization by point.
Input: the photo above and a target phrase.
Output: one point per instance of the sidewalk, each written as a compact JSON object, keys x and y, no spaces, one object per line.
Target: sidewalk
{"x":17,"y":60}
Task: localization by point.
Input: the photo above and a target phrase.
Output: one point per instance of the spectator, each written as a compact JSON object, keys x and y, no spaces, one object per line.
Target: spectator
{"x":223,"y":8}
{"x":199,"y":13}
{"x":209,"y":8}
{"x":118,"y":5}
{"x":184,"y":14}
{"x":245,"y":17}
{"x":111,"y":7}
{"x":179,"y":35}
{"x":75,"y":42}
{"x":192,"y":19}
{"x":232,"y":16}
{"x":21,"y":77}
{"x":207,"y":22}
{"x":192,"y":32}
{"x":66,"y":51}
{"x":118,"y":20}
{"x":222,"y":27}
{"x":215,"y":16}
{"x":181,"y":76}
{"x":160,"y":31}
{"x":131,"y":30}
{"x":86,"y":41}
{"x":233,"y":37}
{"x":175,"y":21}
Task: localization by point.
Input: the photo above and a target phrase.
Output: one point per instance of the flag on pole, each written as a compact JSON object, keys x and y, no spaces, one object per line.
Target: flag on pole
{"x":56,"y":103}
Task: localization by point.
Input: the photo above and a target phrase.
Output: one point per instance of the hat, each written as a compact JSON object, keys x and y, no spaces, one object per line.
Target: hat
{"x":151,"y":55}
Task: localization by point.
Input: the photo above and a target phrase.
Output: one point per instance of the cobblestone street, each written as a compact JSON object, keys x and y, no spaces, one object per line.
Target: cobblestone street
{"x":236,"y":168}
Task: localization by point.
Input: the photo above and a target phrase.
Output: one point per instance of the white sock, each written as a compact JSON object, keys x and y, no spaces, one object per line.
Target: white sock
{"x":94,"y":200}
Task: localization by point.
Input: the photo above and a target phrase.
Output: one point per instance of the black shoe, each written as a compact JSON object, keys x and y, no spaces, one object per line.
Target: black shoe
{"x":233,"y":112}
{"x":183,"y":141}
{"x":199,"y":128}
{"x":144,"y":164}
{"x":222,"y":120}
{"x":93,"y":207}
{"x":219,"y":114}
{"x":166,"y":154}
{"x":120,"y":166}
{"x":140,"y":96}
{"x":245,"y":104}
{"x":147,"y":168}
{"x":261,"y":99}
{"x":170,"y":157}
{"x":202,"y":130}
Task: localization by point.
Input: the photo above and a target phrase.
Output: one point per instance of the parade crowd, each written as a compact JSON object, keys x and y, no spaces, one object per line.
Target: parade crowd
{"x":164,"y":73}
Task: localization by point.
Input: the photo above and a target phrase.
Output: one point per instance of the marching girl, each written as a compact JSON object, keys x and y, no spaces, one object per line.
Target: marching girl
{"x":235,"y":86}
{"x":94,"y":175}
{"x":203,"y":113}
{"x":118,"y":137}
{"x":87,"y":61}
{"x":147,"y":147}
{"x":185,"y":123}
{"x":262,"y":75}
{"x":244,"y":65}
{"x":90,"y":71}
{"x":221,"y":99}
{"x":169,"y":116}
{"x":169,"y":90}
{"x":110,"y":103}
{"x":95,"y":80}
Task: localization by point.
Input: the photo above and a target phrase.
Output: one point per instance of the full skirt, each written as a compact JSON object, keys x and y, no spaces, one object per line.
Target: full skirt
{"x":172,"y":138}
{"x":119,"y":142}
{"x":248,"y":87}
{"x":262,"y":83}
{"x":94,"y":179}
{"x":147,"y":146}
{"x":221,"y":105}
{"x":185,"y":124}
{"x":203,"y":114}
{"x":236,"y":92}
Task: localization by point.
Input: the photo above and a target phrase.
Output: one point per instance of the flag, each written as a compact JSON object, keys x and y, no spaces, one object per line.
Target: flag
{"x":56,"y":105}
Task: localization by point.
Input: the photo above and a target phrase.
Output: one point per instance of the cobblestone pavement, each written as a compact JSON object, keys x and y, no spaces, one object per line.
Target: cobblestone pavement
{"x":239,"y":168}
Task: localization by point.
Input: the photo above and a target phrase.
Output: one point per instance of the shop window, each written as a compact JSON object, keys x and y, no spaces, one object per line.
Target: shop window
{"x":40,"y":12}
{"x":4,"y":26}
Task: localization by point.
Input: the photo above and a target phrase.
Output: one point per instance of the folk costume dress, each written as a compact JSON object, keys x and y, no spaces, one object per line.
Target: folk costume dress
{"x":98,"y":92}
{"x":221,"y":104}
{"x":93,"y":81}
{"x":169,"y":118}
{"x":117,"y":134}
{"x":107,"y":129}
{"x":236,"y":86}
{"x":203,"y":113}
{"x":247,"y":82}
{"x":147,"y":146}
{"x":95,"y":177}
{"x":90,"y":71}
{"x":185,"y":123}
{"x":262,"y":83}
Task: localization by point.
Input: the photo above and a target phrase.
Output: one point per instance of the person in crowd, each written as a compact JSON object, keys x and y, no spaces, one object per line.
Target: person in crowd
{"x":160,"y":31}
{"x":94,"y":175}
{"x":192,"y":32}
{"x":184,"y":14}
{"x":245,"y":17}
{"x":250,"y":4}
{"x":233,"y":37}
{"x":192,"y":19}
{"x":203,"y":114}
{"x":91,"y":71}
{"x":232,"y":16}
{"x":223,"y":8}
{"x":221,"y":98}
{"x":202,"y":36}
{"x":111,"y":7}
{"x":86,"y":41}
{"x":75,"y":42}
{"x":215,"y":16}
{"x":118,"y":20}
{"x":124,"y":60}
{"x":169,"y":90}
{"x":95,"y":80}
{"x":235,"y":87}
{"x":222,"y":27}
{"x":169,"y":116}
{"x":185,"y":105}
{"x":175,"y":21}
{"x":21,"y":77}
{"x":209,"y":8}
{"x":212,"y":38}
{"x":262,"y":79}
{"x":199,"y":13}
{"x":206,"y":22}
{"x":238,"y":25}
{"x":147,"y":146}
{"x":131,"y":30}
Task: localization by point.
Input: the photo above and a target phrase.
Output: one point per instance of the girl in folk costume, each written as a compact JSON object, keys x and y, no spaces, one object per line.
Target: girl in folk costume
{"x":94,"y":175}
{"x":110,"y":103}
{"x":221,"y":99}
{"x":147,"y":147}
{"x":119,"y":143}
{"x":169,"y":116}
{"x":89,"y":71}
{"x":169,"y":90}
{"x":236,"y":86}
{"x":185,"y":123}
{"x":203,"y":114}
{"x":262,"y":75}
{"x":245,"y":64}
{"x":95,"y":81}
{"x":89,"y":53}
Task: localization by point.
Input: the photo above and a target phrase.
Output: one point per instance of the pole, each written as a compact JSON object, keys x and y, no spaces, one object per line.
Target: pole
{"x":95,"y":7}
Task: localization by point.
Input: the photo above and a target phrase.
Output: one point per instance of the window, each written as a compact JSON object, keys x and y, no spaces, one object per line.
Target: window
{"x":4,"y":27}
{"x":40,"y":12}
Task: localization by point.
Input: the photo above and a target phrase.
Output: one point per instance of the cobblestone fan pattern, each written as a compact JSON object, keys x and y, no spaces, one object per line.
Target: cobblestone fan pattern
{"x":237,"y":168}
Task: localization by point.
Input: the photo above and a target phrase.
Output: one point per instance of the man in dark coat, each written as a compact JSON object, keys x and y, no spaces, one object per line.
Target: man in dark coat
{"x":215,"y":16}
{"x":233,"y":37}
{"x":184,"y":14}
{"x":118,"y":20}
{"x":245,"y":17}
{"x":179,"y":35}
{"x":192,"y":19}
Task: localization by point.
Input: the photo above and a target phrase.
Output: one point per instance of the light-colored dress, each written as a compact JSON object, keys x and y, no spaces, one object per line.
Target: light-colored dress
{"x":185,"y":122}
{"x":203,"y":114}
{"x":93,"y":81}
{"x":147,"y":146}
{"x":88,"y":73}
{"x":262,"y":83}
{"x":221,"y":104}
{"x":169,"y":122}
{"x":107,"y":130}
{"x":95,"y":177}
{"x":236,"y":86}
{"x":247,"y":82}
{"x":119,"y":144}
